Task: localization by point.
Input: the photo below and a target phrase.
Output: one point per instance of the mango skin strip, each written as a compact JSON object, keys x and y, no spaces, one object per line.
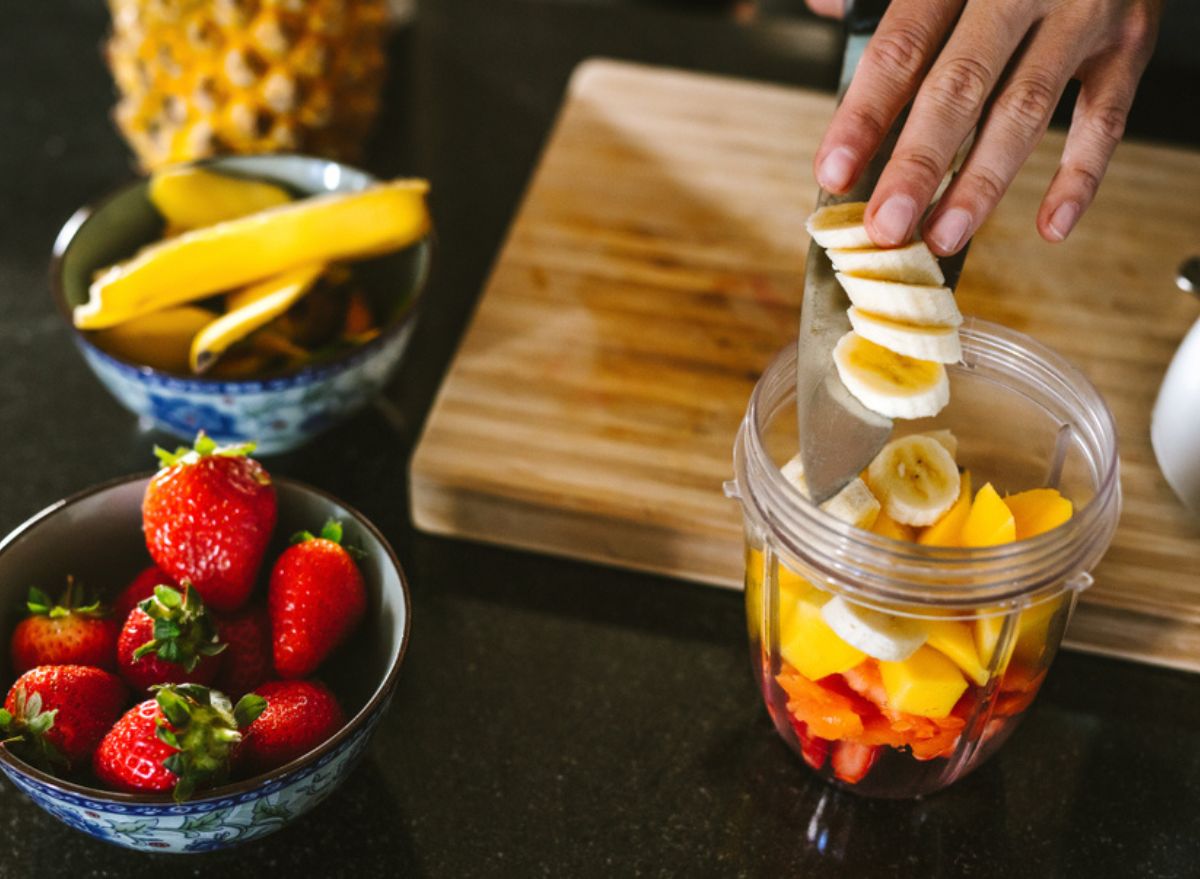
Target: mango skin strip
{"x":235,"y":253}
{"x":250,"y":309}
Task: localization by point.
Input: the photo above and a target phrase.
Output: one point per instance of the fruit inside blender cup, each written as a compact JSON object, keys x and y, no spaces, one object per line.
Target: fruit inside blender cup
{"x":896,"y":703}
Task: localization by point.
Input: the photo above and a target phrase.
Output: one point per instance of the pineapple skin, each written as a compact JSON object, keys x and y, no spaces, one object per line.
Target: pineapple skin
{"x":203,"y":77}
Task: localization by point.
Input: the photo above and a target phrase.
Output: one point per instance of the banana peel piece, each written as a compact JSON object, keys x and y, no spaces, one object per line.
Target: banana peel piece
{"x":238,"y":252}
{"x":248,"y":310}
{"x":192,"y":198}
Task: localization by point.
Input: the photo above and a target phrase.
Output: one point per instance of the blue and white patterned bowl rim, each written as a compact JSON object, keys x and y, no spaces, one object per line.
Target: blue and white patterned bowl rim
{"x":303,"y":375}
{"x":251,"y":789}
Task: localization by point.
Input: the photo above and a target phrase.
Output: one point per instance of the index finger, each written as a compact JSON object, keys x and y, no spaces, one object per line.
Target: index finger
{"x":891,"y":69}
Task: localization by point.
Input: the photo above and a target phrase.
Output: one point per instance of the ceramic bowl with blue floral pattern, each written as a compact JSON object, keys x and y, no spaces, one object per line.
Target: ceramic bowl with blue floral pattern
{"x":96,"y":536}
{"x":279,"y":411}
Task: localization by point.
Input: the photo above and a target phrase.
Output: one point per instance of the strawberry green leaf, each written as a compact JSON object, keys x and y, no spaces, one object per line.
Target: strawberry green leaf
{"x":203,"y":731}
{"x":332,"y":530}
{"x":39,"y":602}
{"x":6,"y":720}
{"x":168,"y":596}
{"x":248,"y":709}
{"x":203,"y":447}
{"x":184,"y":631}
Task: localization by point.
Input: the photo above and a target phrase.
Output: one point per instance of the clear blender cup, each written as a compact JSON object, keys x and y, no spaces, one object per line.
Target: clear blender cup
{"x":992,"y":617}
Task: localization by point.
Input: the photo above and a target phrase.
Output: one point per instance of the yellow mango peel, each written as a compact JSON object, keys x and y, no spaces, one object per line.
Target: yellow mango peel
{"x":232,"y":254}
{"x":192,"y":198}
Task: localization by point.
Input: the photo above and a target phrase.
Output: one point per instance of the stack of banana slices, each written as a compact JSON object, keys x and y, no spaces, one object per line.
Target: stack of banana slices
{"x":905,"y":320}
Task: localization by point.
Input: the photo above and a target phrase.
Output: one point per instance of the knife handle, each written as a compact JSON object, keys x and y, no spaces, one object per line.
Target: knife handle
{"x":863,"y":16}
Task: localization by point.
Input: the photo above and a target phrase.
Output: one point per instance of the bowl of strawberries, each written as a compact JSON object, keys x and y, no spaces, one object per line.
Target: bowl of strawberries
{"x":195,"y":658}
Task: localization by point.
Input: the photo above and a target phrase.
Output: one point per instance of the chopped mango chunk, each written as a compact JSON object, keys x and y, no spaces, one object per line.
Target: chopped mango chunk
{"x":889,"y":527}
{"x":947,"y":530}
{"x":990,"y":522}
{"x":1033,"y":630}
{"x":956,"y":641}
{"x":1038,"y":510}
{"x":754,"y":587}
{"x":927,"y":683}
{"x":987,"y":636}
{"x":808,"y":644}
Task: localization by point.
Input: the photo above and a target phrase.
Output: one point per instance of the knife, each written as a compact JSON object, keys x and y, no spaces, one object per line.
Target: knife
{"x":838,"y":435}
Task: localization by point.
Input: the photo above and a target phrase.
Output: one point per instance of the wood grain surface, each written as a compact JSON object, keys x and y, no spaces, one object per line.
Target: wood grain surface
{"x":655,"y":267}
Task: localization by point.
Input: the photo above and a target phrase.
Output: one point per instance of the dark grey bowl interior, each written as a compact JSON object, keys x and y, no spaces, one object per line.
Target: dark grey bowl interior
{"x":116,"y":227}
{"x":96,"y":536}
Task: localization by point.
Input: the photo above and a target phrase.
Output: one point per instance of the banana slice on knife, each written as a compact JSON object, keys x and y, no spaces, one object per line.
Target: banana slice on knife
{"x":889,"y":383}
{"x":918,"y":341}
{"x":899,"y":300}
{"x":911,"y":264}
{"x":905,"y":322}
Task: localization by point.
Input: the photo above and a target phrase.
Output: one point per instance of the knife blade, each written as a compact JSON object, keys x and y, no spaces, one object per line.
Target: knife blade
{"x":838,"y":435}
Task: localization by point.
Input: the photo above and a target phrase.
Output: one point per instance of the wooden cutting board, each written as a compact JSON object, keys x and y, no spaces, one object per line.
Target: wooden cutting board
{"x":656,"y":266}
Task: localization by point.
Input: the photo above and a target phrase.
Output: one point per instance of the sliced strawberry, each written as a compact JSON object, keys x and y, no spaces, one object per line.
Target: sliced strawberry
{"x":852,"y":760}
{"x":813,"y":749}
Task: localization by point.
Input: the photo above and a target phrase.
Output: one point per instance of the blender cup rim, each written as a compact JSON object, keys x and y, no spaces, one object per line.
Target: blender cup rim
{"x":872,"y":568}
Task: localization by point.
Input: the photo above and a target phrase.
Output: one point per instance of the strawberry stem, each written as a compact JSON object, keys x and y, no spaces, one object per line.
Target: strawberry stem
{"x":25,"y":732}
{"x":203,"y":727}
{"x":204,"y":446}
{"x":72,"y":602}
{"x":184,"y":631}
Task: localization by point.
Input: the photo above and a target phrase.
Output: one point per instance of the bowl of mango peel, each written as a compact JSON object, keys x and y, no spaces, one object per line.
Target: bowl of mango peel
{"x":267,"y":297}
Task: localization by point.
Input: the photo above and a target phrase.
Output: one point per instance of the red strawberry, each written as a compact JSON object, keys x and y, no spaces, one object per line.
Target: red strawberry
{"x":316,"y":598}
{"x":56,"y":715}
{"x":181,"y":740}
{"x":299,"y":716}
{"x":813,"y":749}
{"x":247,"y":661}
{"x":208,"y":515}
{"x":141,"y":588}
{"x":852,"y":760}
{"x":169,"y":639}
{"x":67,"y":633}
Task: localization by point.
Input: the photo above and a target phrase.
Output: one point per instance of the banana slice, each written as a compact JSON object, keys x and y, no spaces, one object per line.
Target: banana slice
{"x":250,"y":309}
{"x":891,"y":384}
{"x":911,"y":264}
{"x":946,"y":439}
{"x":915,"y":479}
{"x":840,"y":225}
{"x":880,"y":635}
{"x":913,"y":303}
{"x":854,"y":504}
{"x":918,"y":341}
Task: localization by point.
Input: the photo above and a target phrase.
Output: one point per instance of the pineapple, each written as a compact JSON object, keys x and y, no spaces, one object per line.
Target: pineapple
{"x":200,"y":77}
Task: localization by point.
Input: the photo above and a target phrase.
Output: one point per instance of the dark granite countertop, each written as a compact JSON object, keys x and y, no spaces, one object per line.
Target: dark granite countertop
{"x":552,"y":718}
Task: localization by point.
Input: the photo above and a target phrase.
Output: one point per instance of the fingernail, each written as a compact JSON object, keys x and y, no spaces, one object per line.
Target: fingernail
{"x":950,"y":230}
{"x":894,"y":221}
{"x":1063,"y":220}
{"x":837,"y":170}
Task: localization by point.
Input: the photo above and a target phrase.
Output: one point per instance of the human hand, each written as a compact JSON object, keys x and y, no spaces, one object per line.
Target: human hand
{"x":1001,"y":65}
